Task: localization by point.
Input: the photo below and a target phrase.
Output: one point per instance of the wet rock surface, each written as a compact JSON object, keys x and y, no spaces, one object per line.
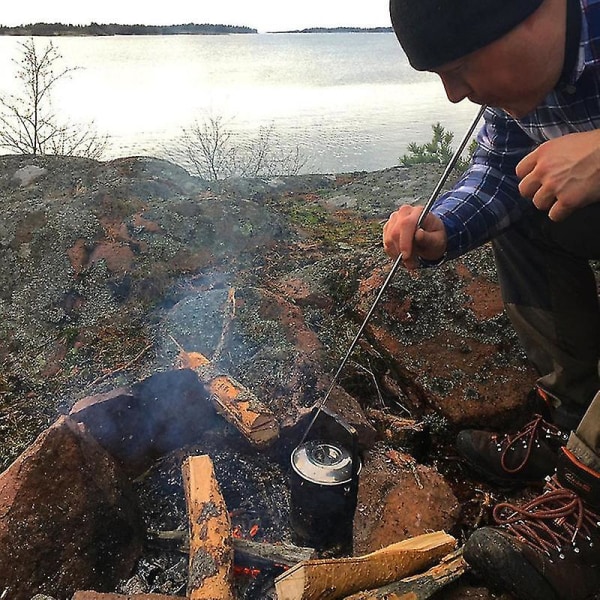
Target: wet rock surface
{"x":412,"y":499}
{"x":110,"y":270}
{"x":68,"y":518}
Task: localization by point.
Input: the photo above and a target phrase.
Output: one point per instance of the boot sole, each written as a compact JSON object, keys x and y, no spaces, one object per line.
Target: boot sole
{"x":489,"y":553}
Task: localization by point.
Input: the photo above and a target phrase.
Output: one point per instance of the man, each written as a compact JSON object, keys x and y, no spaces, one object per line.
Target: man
{"x":533,"y":188}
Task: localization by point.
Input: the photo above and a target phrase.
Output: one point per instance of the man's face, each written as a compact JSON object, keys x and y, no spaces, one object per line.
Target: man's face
{"x":515,"y":73}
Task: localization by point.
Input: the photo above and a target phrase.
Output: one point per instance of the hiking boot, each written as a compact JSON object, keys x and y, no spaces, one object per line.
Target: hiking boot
{"x":525,"y":457}
{"x":548,"y":548}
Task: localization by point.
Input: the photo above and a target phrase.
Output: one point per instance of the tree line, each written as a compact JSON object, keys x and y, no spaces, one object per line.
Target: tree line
{"x":340,"y":30}
{"x":96,"y":29}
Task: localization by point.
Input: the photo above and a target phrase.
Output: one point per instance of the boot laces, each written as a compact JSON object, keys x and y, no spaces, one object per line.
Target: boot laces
{"x":527,"y":436}
{"x":550,"y":521}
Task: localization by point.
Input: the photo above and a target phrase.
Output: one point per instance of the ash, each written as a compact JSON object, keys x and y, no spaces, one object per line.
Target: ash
{"x":255,"y":488}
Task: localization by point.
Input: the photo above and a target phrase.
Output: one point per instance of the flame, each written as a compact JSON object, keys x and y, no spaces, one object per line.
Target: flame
{"x":237,"y":532}
{"x":246,"y":572}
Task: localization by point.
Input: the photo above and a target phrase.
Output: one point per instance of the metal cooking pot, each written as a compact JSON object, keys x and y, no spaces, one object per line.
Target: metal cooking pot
{"x":324,"y":484}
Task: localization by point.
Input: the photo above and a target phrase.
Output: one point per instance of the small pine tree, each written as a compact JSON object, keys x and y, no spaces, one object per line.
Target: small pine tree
{"x":438,"y":151}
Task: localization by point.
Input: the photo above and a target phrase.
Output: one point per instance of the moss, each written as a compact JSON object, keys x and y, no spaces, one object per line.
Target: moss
{"x":308,"y":214}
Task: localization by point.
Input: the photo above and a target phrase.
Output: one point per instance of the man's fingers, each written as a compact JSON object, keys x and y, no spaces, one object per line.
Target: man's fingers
{"x":526,"y":165}
{"x":398,"y":232}
{"x":529,"y":186}
{"x":562,"y":175}
{"x":561,"y":209}
{"x":390,"y":249}
{"x":390,"y":239}
{"x":544,"y":200}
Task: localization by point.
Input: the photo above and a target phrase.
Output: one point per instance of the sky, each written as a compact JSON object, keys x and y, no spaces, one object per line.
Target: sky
{"x":264,"y":15}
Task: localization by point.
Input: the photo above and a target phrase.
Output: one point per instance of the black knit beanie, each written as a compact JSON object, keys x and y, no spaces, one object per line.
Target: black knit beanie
{"x":435,"y":32}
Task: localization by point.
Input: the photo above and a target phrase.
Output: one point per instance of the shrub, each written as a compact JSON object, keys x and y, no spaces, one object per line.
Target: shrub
{"x":438,"y":151}
{"x":211,"y":148}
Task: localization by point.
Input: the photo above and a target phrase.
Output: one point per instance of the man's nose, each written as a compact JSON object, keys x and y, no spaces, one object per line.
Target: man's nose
{"x":456,"y":88}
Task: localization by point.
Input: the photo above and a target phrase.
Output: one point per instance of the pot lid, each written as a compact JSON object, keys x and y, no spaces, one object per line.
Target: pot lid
{"x":325,"y":463}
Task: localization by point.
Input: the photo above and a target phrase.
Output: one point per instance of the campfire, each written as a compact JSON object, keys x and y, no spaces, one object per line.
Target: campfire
{"x":199,"y":501}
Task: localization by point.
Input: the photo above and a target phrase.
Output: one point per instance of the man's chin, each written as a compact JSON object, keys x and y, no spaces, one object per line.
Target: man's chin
{"x":519,"y":111}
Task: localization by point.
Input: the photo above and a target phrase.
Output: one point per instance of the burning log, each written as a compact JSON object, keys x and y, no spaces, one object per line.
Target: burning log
{"x":331,"y":579}
{"x":252,"y":553}
{"x":103,"y":596}
{"x":211,"y":550}
{"x":421,"y":586}
{"x":233,"y":401}
{"x":247,"y":553}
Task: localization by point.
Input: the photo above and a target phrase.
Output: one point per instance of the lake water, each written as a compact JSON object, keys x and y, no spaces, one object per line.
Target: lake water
{"x":348,"y":101}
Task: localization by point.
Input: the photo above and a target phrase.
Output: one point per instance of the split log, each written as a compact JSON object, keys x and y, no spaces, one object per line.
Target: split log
{"x":255,"y":554}
{"x":234,"y":402}
{"x":211,"y":551}
{"x":421,"y":586}
{"x":85,"y":595}
{"x":247,"y":553}
{"x":331,"y":579}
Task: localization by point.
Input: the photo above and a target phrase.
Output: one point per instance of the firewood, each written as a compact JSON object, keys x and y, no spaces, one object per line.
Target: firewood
{"x":330,"y":579}
{"x":211,"y":550}
{"x":86,"y":595}
{"x":421,"y":586}
{"x":233,"y":401}
{"x":253,"y":554}
{"x":247,"y":553}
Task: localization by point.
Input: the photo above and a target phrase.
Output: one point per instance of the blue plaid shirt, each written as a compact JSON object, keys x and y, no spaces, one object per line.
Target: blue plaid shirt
{"x":486,"y":200}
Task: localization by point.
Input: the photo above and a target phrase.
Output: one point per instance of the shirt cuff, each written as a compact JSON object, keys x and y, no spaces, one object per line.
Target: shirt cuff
{"x":424,"y":263}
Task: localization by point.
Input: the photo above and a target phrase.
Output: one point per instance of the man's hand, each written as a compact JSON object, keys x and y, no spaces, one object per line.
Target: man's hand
{"x":401,"y":236}
{"x":563,"y":174}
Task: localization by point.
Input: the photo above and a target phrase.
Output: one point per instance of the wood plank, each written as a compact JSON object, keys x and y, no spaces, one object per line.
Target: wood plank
{"x":211,"y":549}
{"x":330,"y":579}
{"x":421,"y":586}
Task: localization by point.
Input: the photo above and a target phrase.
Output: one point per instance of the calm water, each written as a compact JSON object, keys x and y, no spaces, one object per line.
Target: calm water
{"x":348,"y":101}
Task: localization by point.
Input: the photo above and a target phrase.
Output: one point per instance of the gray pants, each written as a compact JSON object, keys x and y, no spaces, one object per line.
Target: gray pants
{"x":551,"y":296}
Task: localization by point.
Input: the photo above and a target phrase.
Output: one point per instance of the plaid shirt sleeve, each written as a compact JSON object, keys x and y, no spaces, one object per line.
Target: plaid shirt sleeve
{"x":486,"y":200}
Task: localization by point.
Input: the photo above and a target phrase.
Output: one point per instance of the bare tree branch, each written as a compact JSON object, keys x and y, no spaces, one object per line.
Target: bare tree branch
{"x":27,"y":123}
{"x":209,"y":147}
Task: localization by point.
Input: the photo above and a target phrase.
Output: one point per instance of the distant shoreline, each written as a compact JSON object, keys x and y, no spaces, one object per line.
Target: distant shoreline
{"x":339,"y":30}
{"x":110,"y":29}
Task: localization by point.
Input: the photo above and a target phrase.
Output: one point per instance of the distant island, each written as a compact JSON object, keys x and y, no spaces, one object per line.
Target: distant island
{"x":56,"y":29}
{"x":96,"y":29}
{"x":339,"y":30}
